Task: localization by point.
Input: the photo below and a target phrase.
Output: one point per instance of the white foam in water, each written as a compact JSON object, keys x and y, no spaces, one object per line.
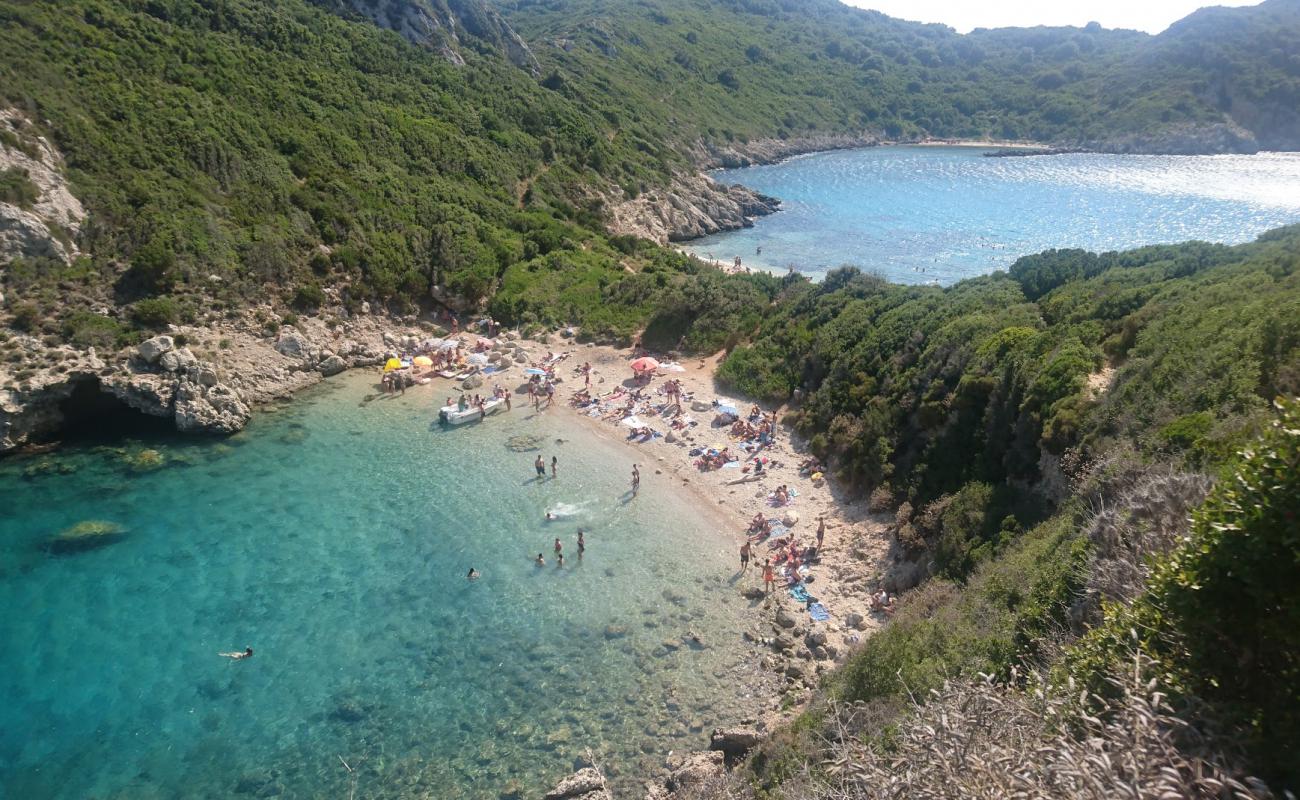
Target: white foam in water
{"x":334,"y":539}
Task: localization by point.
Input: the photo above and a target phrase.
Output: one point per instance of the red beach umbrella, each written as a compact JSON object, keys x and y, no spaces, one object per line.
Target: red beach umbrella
{"x":645,"y":364}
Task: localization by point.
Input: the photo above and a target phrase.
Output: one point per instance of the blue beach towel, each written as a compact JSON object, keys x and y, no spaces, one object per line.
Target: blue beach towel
{"x":799,"y":592}
{"x":818,"y":612}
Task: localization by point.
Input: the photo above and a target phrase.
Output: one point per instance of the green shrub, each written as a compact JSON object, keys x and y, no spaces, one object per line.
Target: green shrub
{"x":308,"y":297}
{"x":26,"y":316}
{"x":154,"y":313}
{"x":86,"y":329}
{"x":16,"y":188}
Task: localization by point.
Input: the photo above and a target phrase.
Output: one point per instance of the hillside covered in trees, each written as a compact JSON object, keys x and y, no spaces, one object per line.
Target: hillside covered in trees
{"x":455,"y":152}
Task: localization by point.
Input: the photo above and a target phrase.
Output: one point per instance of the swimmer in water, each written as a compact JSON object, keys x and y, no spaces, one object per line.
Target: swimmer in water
{"x":551,"y":517}
{"x":541,"y":562}
{"x":582,"y":543}
{"x":473,"y":574}
{"x":559,"y":559}
{"x":558,"y":546}
{"x":248,"y":652}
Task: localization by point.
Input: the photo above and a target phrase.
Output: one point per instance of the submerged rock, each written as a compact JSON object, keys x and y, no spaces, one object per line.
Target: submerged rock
{"x":83,"y":536}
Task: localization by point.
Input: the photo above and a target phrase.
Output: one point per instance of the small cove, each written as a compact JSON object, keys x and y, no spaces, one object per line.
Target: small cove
{"x":333,"y":537}
{"x":922,"y":214}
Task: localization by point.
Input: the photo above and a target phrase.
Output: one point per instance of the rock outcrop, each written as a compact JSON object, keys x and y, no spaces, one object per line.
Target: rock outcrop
{"x":735,"y":742}
{"x":210,"y":384}
{"x":1179,"y":140}
{"x":444,"y":26}
{"x":585,"y":784}
{"x":690,"y":207}
{"x":48,"y":225}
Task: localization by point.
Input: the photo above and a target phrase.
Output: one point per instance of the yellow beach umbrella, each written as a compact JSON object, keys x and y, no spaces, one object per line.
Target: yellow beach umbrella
{"x":424,"y":361}
{"x":392,"y":364}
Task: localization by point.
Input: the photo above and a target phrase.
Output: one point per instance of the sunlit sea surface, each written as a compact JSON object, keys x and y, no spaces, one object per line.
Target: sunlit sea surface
{"x":940,"y":214}
{"x":333,"y":537}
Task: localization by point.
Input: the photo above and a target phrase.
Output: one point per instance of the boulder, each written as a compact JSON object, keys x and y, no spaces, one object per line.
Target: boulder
{"x":790,"y":518}
{"x":472,"y":382}
{"x":694,"y":769}
{"x":585,"y":784}
{"x":855,"y":620}
{"x":177,"y":360}
{"x":331,"y":364}
{"x":152,"y":349}
{"x":815,"y":639}
{"x":293,"y":345}
{"x":794,"y":670}
{"x":207,"y":375}
{"x":209,"y":409}
{"x":735,"y":742}
{"x":785,"y":619}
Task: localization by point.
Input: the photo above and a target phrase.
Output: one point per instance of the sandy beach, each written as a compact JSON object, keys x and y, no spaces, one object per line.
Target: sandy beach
{"x":785,"y":637}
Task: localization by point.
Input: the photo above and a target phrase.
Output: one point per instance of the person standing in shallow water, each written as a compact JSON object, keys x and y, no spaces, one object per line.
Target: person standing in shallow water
{"x":558,"y":546}
{"x":744,"y":556}
{"x":555,"y":463}
{"x":636,"y":480}
{"x":582,"y":544}
{"x":540,"y":466}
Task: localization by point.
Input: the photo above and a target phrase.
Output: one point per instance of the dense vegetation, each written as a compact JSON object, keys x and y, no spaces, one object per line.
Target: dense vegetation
{"x":240,"y":149}
{"x":728,"y":70}
{"x":1046,"y":434}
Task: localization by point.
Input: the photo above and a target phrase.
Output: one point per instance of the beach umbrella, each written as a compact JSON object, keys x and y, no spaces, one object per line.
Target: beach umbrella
{"x":477,"y":359}
{"x":392,"y":364}
{"x":727,"y":408}
{"x":534,"y":371}
{"x":645,"y":364}
{"x":424,"y":361}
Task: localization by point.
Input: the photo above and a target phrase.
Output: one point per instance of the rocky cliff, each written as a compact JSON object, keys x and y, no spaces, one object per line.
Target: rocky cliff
{"x":691,"y":206}
{"x":446,"y":26}
{"x":206,"y":380}
{"x":39,"y":217}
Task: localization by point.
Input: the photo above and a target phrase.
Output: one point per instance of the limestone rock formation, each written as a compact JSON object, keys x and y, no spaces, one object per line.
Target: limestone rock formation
{"x":692,"y":206}
{"x":331,"y":364}
{"x":209,"y":409}
{"x":47,"y":226}
{"x":150,"y":350}
{"x":585,"y":784}
{"x":735,"y":742}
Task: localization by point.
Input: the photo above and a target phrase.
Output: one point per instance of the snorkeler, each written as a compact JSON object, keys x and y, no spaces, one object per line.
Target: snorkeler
{"x":248,"y":653}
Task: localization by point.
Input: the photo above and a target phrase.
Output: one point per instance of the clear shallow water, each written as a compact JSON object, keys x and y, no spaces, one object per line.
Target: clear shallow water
{"x":333,"y":537}
{"x":954,"y":213}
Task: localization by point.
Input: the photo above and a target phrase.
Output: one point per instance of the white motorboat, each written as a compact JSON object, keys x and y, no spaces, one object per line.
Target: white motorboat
{"x":453,"y":415}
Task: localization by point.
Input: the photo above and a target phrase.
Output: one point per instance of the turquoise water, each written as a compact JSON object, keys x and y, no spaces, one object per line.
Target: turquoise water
{"x":333,"y":537}
{"x":923,"y":214}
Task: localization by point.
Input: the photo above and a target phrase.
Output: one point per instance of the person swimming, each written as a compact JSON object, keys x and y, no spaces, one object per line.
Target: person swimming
{"x":551,"y":517}
{"x":541,"y":562}
{"x":559,"y":559}
{"x":473,"y":574}
{"x":248,"y":653}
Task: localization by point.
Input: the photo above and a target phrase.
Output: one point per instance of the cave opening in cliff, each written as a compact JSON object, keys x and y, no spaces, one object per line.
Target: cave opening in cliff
{"x":91,"y":414}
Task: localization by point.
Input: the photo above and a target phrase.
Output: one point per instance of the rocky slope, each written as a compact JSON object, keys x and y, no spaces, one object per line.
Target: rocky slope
{"x":691,"y":206}
{"x":48,"y":225}
{"x":446,"y":26}
{"x":207,"y":380}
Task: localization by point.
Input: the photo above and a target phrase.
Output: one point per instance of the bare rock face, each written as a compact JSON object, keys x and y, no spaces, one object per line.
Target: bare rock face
{"x":49,"y":224}
{"x":209,"y":409}
{"x":150,"y":350}
{"x":1185,"y":139}
{"x":694,"y":769}
{"x":691,"y":207}
{"x":585,"y":784}
{"x":443,"y":26}
{"x":735,"y":742}
{"x":147,"y":393}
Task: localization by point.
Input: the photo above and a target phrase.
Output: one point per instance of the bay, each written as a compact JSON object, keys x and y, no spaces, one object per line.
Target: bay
{"x":924,"y":214}
{"x":333,"y":536}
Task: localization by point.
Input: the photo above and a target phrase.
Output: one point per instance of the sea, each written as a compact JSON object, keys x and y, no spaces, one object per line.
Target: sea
{"x":334,"y":537}
{"x":938,"y":214}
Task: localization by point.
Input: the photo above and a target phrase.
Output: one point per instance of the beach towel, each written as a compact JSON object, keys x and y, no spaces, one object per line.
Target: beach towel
{"x":799,"y":592}
{"x":818,"y":612}
{"x":731,"y":465}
